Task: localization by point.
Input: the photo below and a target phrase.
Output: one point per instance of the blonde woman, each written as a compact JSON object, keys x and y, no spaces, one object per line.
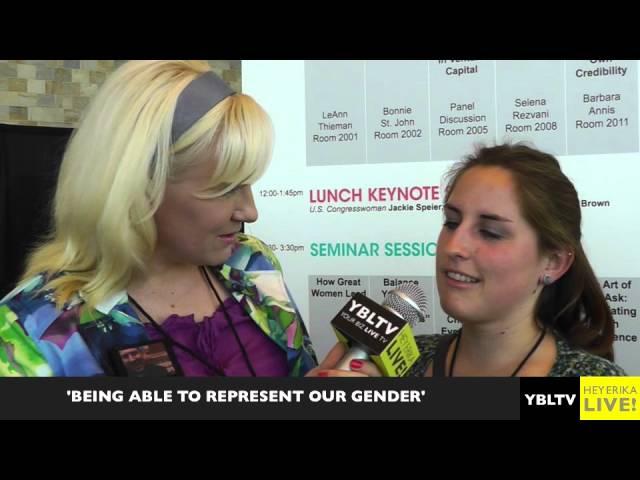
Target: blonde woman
{"x":146,"y":246}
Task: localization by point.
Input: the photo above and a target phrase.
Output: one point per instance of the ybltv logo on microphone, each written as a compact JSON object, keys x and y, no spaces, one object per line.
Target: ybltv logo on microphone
{"x":386,"y":336}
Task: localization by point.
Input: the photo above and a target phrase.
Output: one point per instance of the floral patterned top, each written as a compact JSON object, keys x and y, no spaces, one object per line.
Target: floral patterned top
{"x":38,"y":339}
{"x":570,"y":362}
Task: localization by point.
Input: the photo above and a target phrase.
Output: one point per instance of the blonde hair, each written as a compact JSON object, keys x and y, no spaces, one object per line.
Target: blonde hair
{"x":116,"y":168}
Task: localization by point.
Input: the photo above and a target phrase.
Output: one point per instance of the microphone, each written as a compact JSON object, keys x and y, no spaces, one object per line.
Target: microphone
{"x":382,"y":333}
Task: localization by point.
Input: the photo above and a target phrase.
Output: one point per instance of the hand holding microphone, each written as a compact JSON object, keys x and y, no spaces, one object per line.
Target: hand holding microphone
{"x":327,"y":367}
{"x":382,"y":333}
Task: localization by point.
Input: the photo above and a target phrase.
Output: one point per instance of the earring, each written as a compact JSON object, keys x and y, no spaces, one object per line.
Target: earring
{"x":546,"y":280}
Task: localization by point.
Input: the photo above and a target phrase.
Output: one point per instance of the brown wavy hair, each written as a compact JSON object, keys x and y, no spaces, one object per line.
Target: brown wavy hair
{"x":574,"y":305}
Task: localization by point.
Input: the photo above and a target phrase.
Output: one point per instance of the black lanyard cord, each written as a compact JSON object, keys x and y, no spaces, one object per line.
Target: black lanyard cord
{"x":233,"y":329}
{"x":174,"y":342}
{"x":518,"y":368}
{"x":195,"y":355}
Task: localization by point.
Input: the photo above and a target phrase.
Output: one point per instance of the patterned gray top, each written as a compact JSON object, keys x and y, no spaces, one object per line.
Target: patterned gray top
{"x":570,"y":362}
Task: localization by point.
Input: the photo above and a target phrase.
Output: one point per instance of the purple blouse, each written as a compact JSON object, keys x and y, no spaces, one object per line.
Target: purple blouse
{"x":214,"y":340}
